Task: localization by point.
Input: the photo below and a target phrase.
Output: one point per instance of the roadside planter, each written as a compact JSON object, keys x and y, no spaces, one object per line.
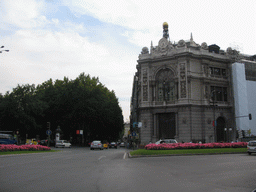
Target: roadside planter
{"x":5,"y":148}
{"x":169,"y":146}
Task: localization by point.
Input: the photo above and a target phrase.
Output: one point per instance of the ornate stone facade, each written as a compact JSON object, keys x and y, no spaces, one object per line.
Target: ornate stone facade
{"x":182,"y":88}
{"x":177,"y":83}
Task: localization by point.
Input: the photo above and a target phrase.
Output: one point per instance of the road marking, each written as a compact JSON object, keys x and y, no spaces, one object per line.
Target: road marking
{"x":101,"y":157}
{"x":124,"y":155}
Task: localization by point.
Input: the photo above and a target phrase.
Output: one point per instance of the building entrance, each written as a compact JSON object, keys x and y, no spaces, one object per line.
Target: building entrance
{"x":220,"y":129}
{"x":167,"y":125}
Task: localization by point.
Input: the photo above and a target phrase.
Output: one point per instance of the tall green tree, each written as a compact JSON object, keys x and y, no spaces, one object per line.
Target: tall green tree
{"x":83,"y":103}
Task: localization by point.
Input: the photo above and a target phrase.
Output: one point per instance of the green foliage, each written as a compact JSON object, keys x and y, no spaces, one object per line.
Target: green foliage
{"x":83,"y":103}
{"x":187,"y":151}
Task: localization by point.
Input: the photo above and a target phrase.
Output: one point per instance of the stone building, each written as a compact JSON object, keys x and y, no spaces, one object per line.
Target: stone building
{"x":184,"y":91}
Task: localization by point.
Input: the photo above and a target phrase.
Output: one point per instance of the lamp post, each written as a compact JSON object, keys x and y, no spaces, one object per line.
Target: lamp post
{"x":225,"y":129}
{"x":58,"y":131}
{"x":230,"y":134}
{"x":3,"y":50}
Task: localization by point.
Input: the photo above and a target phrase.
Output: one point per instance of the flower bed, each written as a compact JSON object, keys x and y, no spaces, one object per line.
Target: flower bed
{"x":168,"y":146}
{"x":5,"y":148}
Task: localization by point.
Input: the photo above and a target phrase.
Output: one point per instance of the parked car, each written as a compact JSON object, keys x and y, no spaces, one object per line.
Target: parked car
{"x":122,"y":144}
{"x":113,"y":145}
{"x":105,"y":145}
{"x":251,"y":147}
{"x":62,"y":143}
{"x":7,"y":139}
{"x":166,"y":141}
{"x":45,"y":142}
{"x":96,"y":145}
{"x":32,"y":141}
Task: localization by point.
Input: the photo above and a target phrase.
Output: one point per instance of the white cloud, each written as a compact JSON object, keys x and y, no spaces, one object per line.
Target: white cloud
{"x":23,"y":13}
{"x":214,"y":22}
{"x":36,"y":56}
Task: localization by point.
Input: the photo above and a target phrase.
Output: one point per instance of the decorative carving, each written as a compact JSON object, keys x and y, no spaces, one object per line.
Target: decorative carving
{"x":233,"y":54}
{"x":229,"y":51}
{"x":170,"y":48}
{"x":145,"y":124}
{"x":182,"y":66}
{"x":209,"y":71}
{"x":204,"y":46}
{"x":164,"y":47}
{"x":181,"y":43}
{"x":163,"y":43}
{"x":145,"y":92}
{"x":153,"y":69}
{"x":182,"y":76}
{"x":183,"y":84}
{"x":183,"y":89}
{"x":206,"y":92}
{"x":144,"y":50}
{"x":205,"y":70}
{"x":145,"y":82}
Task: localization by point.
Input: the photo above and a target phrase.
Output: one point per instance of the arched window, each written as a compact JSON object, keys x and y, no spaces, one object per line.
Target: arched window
{"x":165,"y":86}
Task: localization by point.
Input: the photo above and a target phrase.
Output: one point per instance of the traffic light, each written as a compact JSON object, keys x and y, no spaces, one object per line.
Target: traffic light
{"x":250,"y":116}
{"x":48,"y":125}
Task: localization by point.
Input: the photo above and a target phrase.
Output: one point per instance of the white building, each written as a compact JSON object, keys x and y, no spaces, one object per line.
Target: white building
{"x":244,"y":86}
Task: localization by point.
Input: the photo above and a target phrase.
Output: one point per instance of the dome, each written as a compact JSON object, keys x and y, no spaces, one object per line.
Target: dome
{"x":165,"y":24}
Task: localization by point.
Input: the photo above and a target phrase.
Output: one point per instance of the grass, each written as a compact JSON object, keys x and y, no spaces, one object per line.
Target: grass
{"x":25,"y":152}
{"x":187,"y":151}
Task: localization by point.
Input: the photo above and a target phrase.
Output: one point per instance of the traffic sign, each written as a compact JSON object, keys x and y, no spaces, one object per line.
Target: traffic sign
{"x":48,"y":132}
{"x":133,"y":133}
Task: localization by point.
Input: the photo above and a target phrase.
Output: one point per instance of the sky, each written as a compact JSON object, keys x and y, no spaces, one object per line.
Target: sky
{"x":103,"y":38}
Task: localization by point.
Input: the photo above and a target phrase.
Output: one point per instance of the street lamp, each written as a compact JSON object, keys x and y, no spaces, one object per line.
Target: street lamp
{"x":3,"y":50}
{"x":230,"y":134}
{"x":225,"y":129}
{"x":58,"y":131}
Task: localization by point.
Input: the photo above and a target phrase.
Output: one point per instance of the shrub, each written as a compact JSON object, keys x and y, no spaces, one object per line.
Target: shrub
{"x":12,"y":147}
{"x":168,"y":146}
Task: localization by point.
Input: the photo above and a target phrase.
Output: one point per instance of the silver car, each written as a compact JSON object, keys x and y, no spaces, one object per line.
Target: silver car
{"x":122,"y":144}
{"x":166,"y":141}
{"x":62,"y":143}
{"x":251,"y":147}
{"x":96,"y":145}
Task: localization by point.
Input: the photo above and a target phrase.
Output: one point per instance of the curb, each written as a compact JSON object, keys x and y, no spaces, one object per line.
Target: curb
{"x":137,"y":156}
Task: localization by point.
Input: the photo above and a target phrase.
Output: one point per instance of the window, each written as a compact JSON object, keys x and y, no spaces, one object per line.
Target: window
{"x":250,"y":71}
{"x":217,"y":72}
{"x":165,"y":86}
{"x":219,"y":93}
{"x":223,"y":72}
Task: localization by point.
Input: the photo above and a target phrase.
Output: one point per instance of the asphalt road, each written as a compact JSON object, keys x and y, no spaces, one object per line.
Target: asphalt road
{"x":80,"y":169}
